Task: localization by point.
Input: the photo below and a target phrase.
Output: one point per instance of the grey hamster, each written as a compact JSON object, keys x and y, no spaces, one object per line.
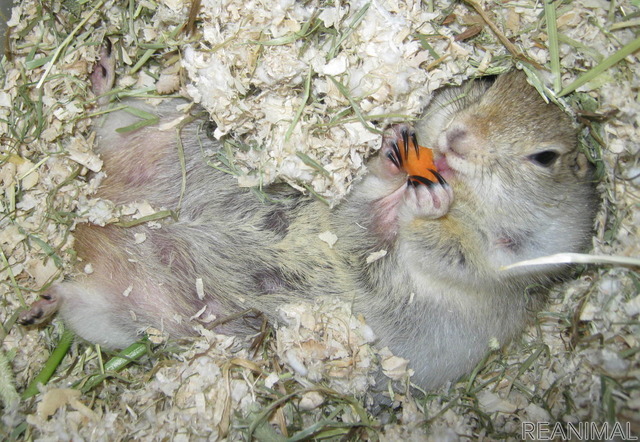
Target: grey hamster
{"x":516,"y":188}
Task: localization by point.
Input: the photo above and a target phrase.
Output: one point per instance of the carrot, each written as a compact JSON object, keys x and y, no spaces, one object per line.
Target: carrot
{"x":416,"y":161}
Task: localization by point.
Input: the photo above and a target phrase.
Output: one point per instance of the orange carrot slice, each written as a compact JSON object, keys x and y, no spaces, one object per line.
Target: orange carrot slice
{"x":416,"y":161}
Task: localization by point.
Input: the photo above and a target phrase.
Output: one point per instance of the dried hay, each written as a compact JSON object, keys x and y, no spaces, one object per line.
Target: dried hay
{"x":295,"y":89}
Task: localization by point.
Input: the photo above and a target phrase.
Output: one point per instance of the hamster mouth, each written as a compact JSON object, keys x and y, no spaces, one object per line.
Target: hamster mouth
{"x":443,"y":167}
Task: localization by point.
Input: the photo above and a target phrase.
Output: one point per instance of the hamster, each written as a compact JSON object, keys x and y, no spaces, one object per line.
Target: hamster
{"x":512,"y":185}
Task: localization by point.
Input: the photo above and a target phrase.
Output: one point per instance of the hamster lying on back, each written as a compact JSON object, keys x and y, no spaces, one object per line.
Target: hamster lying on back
{"x":516,"y":188}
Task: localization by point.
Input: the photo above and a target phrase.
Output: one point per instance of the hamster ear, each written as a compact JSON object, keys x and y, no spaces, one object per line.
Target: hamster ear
{"x":581,"y":166}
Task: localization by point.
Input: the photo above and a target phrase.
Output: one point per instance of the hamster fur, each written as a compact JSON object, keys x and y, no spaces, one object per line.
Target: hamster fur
{"x":516,"y":188}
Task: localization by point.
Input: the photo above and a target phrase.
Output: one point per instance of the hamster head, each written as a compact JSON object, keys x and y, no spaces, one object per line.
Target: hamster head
{"x":503,"y":137}
{"x":504,"y":141}
{"x":515,"y":158}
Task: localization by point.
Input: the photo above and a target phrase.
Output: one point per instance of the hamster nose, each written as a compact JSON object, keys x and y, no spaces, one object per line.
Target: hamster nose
{"x":457,"y":139}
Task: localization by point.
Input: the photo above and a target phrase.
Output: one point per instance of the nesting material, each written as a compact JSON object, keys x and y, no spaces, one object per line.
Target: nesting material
{"x":282,"y":78}
{"x":299,"y":92}
{"x":327,"y":343}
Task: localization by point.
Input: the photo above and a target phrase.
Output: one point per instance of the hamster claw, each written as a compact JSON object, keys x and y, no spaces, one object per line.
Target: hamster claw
{"x":440,"y":178}
{"x":395,"y":147}
{"x":404,"y":132}
{"x":416,"y":180}
{"x":394,"y":155}
{"x":400,"y":146}
{"x":409,"y":138}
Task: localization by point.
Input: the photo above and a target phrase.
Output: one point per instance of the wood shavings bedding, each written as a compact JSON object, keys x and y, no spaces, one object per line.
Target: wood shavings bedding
{"x":291,"y":92}
{"x":284,"y":80}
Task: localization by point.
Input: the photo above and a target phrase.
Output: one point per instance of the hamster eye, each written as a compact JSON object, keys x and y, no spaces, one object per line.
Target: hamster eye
{"x":545,"y":158}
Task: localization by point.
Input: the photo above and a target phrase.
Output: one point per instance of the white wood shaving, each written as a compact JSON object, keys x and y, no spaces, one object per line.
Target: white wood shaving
{"x":373,"y":257}
{"x":139,"y":238}
{"x":490,"y":403}
{"x":329,"y":237}
{"x":198,"y":313}
{"x":200,"y":288}
{"x":271,"y":380}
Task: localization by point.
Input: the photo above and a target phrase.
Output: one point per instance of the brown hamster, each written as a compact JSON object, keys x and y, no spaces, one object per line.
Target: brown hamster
{"x":516,"y":188}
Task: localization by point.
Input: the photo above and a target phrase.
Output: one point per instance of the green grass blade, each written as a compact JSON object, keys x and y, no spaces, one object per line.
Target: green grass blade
{"x":5,"y":265}
{"x":305,"y":98}
{"x":294,"y":36}
{"x":357,"y":18}
{"x":145,"y":57}
{"x":117,"y":363}
{"x":161,"y":214}
{"x":66,"y":41}
{"x":147,"y":119}
{"x":625,"y":51}
{"x":50,"y":366}
{"x":306,"y":159}
{"x":552,"y":38}
{"x":356,"y":109}
{"x":48,"y":250}
{"x":316,"y":194}
{"x":588,"y":50}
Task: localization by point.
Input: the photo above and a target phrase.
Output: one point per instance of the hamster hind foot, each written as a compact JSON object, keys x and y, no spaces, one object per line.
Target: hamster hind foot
{"x":41,"y":310}
{"x":103,"y":75}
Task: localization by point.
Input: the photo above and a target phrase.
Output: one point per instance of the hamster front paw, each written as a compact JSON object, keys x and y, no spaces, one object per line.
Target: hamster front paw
{"x":426,"y":194}
{"x":396,"y":141}
{"x":412,"y":200}
{"x":402,"y":155}
{"x":430,"y":200}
